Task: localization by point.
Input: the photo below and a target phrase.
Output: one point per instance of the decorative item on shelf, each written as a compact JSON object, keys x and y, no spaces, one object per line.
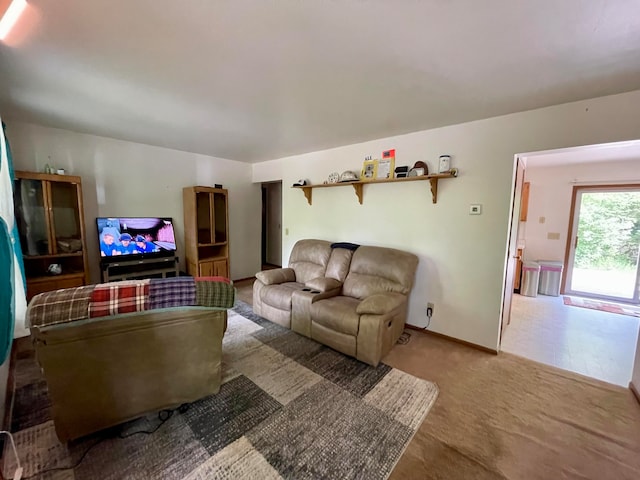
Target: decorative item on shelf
{"x":369,"y":170}
{"x":444,"y":164}
{"x":333,"y":177}
{"x":401,"y":172}
{"x":217,"y":185}
{"x":60,"y":171}
{"x":419,"y":169}
{"x":348,"y":176}
{"x":300,"y":183}
{"x":54,"y":269}
{"x":387,"y":165}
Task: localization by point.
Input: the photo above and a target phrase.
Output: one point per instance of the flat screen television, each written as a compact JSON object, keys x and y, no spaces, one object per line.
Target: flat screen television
{"x":135,"y":237}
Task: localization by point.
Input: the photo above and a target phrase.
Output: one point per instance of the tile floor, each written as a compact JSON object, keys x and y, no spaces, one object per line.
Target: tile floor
{"x":590,"y":342}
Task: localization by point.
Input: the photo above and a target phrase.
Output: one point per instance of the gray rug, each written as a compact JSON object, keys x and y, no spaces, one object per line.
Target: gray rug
{"x":288,"y":408}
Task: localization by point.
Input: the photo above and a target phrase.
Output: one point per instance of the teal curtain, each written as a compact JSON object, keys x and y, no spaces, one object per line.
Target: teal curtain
{"x":7,"y":296}
{"x":10,"y":250}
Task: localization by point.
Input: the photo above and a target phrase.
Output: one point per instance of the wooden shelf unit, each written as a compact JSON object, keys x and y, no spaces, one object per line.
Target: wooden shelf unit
{"x":50,"y":218}
{"x":358,"y":186}
{"x":206,"y":231}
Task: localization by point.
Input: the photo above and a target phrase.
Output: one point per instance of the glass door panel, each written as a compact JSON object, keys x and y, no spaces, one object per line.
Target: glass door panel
{"x":65,"y":216}
{"x":605,"y":250}
{"x":203,"y":212}
{"x":220,"y":216}
{"x":31,"y":217}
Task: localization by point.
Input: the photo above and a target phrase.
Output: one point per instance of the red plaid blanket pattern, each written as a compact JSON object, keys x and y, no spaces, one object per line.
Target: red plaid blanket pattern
{"x":119,"y":297}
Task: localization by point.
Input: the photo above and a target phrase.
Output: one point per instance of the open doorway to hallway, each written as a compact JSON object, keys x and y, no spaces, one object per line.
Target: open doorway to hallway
{"x":561,"y":328}
{"x":271,"y":225}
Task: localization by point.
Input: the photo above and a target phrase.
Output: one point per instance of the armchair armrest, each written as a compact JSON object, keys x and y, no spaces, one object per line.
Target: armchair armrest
{"x":380,"y":303}
{"x":278,"y":275}
{"x":323,"y":284}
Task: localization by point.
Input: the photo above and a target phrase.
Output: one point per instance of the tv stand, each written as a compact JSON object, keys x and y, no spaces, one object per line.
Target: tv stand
{"x":127,"y":269}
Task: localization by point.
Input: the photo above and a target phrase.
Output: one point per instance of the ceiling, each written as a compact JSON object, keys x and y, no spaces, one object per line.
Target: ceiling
{"x":254,"y":80}
{"x":605,"y":152}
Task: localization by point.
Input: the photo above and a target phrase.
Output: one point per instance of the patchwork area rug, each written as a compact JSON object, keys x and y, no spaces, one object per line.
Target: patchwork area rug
{"x":288,"y":408}
{"x":602,"y":306}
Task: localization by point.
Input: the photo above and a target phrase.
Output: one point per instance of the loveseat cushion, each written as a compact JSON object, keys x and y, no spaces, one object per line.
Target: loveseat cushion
{"x":279,"y":296}
{"x":309,"y":259}
{"x":338,"y":314}
{"x":380,"y":303}
{"x":276,"y":276}
{"x":378,"y":270}
{"x":339,"y":262}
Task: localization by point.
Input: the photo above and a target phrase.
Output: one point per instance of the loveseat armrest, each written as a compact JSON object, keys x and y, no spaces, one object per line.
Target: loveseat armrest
{"x":276,"y":276}
{"x":323,"y":284}
{"x":380,"y":303}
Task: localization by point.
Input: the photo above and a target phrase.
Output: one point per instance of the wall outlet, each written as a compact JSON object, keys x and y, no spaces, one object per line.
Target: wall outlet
{"x":429,"y":309}
{"x":475,"y":209}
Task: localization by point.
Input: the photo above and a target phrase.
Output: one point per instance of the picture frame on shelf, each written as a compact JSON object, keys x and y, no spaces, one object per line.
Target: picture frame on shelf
{"x":369,"y":170}
{"x":387,"y":165}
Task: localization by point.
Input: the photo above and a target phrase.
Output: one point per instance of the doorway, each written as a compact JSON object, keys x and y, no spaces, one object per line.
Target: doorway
{"x":604,"y":243}
{"x":554,"y":329}
{"x":271,"y":225}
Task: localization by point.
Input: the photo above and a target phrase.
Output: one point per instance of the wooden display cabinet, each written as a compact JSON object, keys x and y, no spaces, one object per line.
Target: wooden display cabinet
{"x":50,"y":218}
{"x":206,"y":227}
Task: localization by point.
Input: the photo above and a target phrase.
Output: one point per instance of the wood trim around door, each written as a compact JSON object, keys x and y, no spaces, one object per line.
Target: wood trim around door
{"x":574,"y":194}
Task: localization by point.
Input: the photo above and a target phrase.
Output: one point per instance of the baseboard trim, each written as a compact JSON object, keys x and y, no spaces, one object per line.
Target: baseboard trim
{"x":452,"y":339}
{"x":635,"y":390}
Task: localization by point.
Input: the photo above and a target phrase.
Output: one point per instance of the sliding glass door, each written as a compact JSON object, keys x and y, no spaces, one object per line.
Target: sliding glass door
{"x":605,"y":243}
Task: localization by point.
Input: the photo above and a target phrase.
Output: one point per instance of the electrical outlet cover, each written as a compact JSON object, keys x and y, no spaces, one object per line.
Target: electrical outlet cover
{"x":475,"y":209}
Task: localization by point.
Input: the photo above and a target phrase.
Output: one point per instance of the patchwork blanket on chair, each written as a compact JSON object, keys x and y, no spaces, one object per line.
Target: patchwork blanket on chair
{"x":129,"y":296}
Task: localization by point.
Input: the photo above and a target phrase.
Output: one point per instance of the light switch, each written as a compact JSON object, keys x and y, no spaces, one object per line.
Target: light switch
{"x":286,"y":231}
{"x":475,"y":209}
{"x":541,"y":219}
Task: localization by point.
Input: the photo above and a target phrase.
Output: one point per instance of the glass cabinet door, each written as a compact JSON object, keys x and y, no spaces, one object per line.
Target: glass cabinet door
{"x":65,"y":217}
{"x":203,"y":212}
{"x":31,"y":217}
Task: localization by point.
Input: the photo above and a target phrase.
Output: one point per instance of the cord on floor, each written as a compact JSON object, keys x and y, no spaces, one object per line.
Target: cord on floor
{"x":163,"y":416}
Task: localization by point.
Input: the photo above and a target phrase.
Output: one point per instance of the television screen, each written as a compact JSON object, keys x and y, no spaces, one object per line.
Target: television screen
{"x":147,"y":237}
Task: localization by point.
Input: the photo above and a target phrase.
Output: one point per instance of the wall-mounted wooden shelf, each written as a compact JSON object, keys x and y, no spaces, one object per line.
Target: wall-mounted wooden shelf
{"x":359,"y":185}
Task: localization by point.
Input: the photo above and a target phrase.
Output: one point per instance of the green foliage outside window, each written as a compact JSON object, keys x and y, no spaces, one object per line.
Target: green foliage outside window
{"x":609,"y":231}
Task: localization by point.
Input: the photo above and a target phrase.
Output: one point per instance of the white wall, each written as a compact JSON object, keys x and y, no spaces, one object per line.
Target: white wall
{"x":462,"y":257}
{"x":130,"y":179}
{"x":550,"y":197}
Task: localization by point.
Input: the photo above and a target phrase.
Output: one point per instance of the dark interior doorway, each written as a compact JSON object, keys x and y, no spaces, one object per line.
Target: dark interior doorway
{"x":271,"y":251}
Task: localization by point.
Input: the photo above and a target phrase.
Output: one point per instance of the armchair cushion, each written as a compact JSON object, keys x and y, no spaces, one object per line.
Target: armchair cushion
{"x":279,"y":275}
{"x":323,"y":284}
{"x":380,"y":303}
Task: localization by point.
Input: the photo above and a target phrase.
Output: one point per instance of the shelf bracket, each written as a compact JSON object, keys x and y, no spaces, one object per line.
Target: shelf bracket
{"x":434,"y":189}
{"x":358,"y":188}
{"x":307,"y":193}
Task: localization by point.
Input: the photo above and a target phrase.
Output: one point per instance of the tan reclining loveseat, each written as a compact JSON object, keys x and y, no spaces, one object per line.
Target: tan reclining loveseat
{"x":354,"y":301}
{"x":113,"y":352}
